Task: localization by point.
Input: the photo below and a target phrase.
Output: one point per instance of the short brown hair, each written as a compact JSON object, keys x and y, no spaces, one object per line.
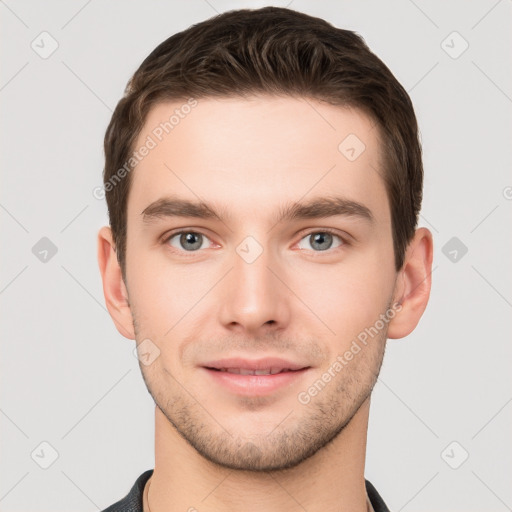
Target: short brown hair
{"x":275,"y":51}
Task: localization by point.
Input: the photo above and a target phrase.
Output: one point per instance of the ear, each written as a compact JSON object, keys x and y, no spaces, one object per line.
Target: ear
{"x":413,"y":283}
{"x":114,"y":289}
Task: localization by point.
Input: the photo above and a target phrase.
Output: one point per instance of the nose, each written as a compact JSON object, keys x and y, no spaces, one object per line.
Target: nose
{"x":254,"y":299}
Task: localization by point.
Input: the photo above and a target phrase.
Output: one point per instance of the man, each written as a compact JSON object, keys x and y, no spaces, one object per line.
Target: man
{"x":263,"y":177}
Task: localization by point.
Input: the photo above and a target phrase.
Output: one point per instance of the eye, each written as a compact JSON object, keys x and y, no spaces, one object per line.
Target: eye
{"x":321,"y":240}
{"x":189,"y":241}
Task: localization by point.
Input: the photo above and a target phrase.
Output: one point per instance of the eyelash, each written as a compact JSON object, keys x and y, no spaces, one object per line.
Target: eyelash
{"x":187,"y":254}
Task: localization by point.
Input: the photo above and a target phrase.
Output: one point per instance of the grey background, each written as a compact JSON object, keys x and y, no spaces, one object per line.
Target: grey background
{"x":68,"y":378}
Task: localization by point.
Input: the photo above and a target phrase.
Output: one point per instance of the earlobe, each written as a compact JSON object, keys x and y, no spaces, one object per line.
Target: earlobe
{"x":114,"y":288}
{"x":413,"y":284}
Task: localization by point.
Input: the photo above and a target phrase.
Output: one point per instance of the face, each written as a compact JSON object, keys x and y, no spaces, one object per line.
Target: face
{"x":292,"y":259}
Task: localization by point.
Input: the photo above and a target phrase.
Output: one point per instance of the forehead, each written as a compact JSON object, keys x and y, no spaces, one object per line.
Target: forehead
{"x":247,"y":154}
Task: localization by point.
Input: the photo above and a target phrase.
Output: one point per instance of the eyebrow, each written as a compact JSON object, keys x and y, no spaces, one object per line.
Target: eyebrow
{"x":316,"y":208}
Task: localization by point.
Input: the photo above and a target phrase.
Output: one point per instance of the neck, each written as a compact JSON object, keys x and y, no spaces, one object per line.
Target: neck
{"x":329,"y":481}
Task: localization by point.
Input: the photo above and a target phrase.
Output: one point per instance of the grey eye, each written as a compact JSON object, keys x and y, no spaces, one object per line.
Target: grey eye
{"x":187,"y":240}
{"x":321,"y":240}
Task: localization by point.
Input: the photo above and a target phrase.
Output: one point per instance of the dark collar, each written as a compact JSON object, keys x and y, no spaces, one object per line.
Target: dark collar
{"x":132,"y":502}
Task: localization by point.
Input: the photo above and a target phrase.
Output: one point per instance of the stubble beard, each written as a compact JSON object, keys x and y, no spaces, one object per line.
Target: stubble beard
{"x":303,"y":431}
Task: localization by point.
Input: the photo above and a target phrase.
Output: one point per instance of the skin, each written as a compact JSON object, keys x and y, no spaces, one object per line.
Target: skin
{"x":216,"y":450}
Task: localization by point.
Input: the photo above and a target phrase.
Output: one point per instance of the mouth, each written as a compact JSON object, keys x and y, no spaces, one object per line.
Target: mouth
{"x":247,"y":371}
{"x":255,"y":378}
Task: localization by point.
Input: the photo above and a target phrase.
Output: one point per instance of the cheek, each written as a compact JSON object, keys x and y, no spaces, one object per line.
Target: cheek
{"x":344,"y":299}
{"x":164,"y":292}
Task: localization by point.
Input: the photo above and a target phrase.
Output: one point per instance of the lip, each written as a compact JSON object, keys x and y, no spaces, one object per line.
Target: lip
{"x":255,"y":385}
